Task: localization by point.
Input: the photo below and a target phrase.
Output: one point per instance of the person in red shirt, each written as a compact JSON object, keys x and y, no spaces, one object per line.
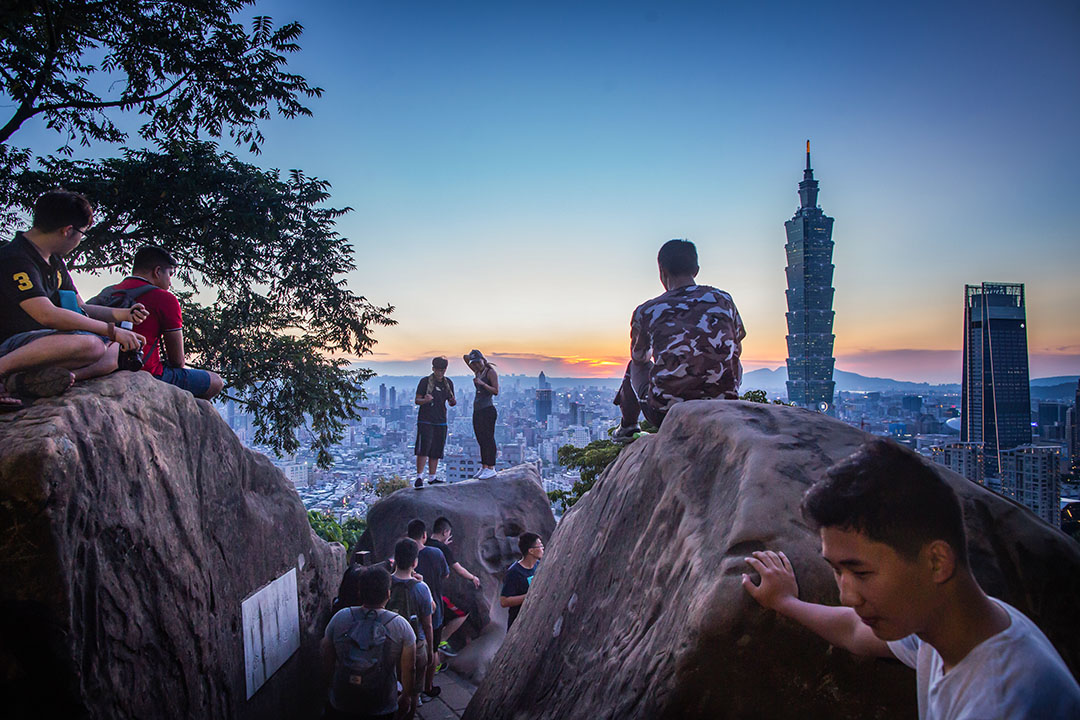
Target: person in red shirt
{"x":164,"y":326}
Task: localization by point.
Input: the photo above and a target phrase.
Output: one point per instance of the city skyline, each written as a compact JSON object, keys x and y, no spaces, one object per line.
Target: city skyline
{"x":514,"y":170}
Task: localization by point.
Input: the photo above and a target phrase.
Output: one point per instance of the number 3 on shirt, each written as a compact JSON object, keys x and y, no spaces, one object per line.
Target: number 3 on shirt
{"x":24,"y":281}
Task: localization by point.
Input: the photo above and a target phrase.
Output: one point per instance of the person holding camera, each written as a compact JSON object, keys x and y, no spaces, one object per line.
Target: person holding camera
{"x":164,"y":324}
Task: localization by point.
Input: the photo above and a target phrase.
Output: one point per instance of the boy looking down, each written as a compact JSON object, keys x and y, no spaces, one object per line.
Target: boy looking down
{"x":893,"y":533}
{"x":164,"y":325}
{"x":684,"y":344}
{"x":49,"y":337}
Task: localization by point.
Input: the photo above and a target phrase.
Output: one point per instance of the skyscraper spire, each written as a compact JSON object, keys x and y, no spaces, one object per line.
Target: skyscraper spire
{"x":808,"y":170}
{"x":808,"y":188}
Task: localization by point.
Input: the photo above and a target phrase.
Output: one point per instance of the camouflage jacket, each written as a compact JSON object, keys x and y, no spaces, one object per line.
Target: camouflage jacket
{"x":693,"y":336}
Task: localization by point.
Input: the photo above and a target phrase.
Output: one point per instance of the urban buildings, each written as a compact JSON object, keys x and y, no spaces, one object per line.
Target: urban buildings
{"x":809,"y":300}
{"x":1030,"y":474}
{"x":995,"y":406}
{"x":543,"y":398}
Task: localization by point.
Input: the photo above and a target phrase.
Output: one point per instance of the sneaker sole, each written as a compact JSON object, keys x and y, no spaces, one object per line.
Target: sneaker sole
{"x":43,"y":383}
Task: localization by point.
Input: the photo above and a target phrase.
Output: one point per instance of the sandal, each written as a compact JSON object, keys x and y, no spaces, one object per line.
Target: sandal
{"x":40,"y":383}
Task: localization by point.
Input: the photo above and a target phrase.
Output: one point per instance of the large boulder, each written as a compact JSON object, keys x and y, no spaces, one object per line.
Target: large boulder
{"x":487,"y":517}
{"x":133,"y":525}
{"x":638,"y":610}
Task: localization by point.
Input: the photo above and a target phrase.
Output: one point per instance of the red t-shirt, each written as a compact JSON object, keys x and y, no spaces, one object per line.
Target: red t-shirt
{"x":164,"y":311}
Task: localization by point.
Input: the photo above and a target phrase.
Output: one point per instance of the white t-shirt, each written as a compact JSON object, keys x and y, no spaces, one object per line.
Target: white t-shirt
{"x":1014,"y":674}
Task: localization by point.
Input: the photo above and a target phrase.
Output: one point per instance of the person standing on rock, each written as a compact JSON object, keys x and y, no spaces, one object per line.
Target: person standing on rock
{"x":432,"y":395}
{"x":486,"y":381}
{"x":49,"y":337}
{"x":684,"y":344}
{"x":520,"y":575}
{"x":368,"y":649}
{"x":893,"y":532}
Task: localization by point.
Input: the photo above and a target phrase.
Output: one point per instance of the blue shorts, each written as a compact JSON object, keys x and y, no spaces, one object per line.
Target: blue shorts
{"x":195,"y":381}
{"x":25,"y":338}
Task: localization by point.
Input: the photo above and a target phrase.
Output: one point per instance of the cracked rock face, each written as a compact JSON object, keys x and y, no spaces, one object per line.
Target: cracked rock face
{"x":639,"y":612}
{"x":487,"y":517}
{"x":132,"y":526}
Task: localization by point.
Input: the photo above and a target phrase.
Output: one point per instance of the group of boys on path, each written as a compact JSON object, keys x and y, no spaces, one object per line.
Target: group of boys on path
{"x":50,"y":338}
{"x":890,"y":527}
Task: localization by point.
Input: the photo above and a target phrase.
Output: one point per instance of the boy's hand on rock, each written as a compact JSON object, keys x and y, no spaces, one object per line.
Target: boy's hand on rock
{"x":777,"y":579}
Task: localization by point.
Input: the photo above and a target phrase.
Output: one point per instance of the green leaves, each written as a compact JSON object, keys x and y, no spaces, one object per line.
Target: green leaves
{"x":592,"y":460}
{"x":326,"y":527}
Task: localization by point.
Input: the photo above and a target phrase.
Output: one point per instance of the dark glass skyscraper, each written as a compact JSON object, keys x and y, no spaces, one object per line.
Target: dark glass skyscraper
{"x":809,"y":300}
{"x":995,"y":402}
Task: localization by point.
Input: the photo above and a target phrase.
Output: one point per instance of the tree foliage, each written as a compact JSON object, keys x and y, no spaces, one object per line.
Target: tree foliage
{"x":592,"y":460}
{"x":327,"y":527}
{"x":186,"y":67}
{"x":268,"y":308}
{"x":387,"y":486}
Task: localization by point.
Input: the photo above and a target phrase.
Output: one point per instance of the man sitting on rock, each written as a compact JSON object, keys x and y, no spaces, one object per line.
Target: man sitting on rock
{"x":165,"y":324}
{"x":684,"y":344}
{"x":893,"y":532}
{"x":367,"y":662}
{"x":49,"y":337}
{"x":520,"y":575}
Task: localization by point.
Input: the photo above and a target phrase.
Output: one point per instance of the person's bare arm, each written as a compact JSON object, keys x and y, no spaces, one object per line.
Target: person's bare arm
{"x":508,"y":601}
{"x":492,"y":383}
{"x":134,"y":314}
{"x":456,"y":567}
{"x":429,"y":635}
{"x":173,"y":340}
{"x":779,"y":591}
{"x":424,"y":399}
{"x":50,"y":316}
{"x":406,"y":674}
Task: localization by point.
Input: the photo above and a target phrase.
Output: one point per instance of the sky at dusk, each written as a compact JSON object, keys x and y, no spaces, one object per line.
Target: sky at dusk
{"x":514,"y":168}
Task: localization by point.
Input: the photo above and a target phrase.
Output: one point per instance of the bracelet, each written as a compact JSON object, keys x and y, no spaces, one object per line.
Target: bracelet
{"x":110,"y":332}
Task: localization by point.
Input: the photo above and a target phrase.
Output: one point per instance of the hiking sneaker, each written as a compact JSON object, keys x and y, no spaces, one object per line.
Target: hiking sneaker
{"x":419,"y":483}
{"x":486,"y":474}
{"x":40,"y":383}
{"x":440,"y":667}
{"x":626,"y":434}
{"x":435,"y":481}
{"x":432,"y":693}
{"x":445,"y":649}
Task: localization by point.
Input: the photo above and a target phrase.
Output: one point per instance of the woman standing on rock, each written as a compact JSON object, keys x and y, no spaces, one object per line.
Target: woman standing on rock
{"x":486,"y":381}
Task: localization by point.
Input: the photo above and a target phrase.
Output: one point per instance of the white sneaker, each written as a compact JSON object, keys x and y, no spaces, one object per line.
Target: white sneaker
{"x":486,"y":474}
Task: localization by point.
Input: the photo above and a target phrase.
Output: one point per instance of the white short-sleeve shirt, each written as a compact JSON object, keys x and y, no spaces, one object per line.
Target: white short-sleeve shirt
{"x":1014,"y":674}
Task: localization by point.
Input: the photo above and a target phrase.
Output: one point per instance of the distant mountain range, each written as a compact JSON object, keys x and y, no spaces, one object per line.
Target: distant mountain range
{"x":1061,"y":387}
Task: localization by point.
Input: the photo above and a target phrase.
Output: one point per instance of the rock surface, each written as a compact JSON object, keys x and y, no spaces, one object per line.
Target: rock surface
{"x":132,"y":526}
{"x":487,"y":517}
{"x":638,"y":611}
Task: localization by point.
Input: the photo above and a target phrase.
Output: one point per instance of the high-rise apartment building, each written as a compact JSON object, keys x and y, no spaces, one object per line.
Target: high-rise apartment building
{"x":1074,"y":433}
{"x":382,"y":395}
{"x":809,"y":300}
{"x":995,"y":403}
{"x":1031,"y":475}
{"x":963,"y":458}
{"x":543,"y":404}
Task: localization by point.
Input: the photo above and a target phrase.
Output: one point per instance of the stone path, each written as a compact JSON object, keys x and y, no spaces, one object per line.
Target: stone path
{"x":455,"y":695}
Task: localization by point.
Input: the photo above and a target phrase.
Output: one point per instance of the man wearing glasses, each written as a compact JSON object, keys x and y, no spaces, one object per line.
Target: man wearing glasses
{"x":49,"y":337}
{"x":520,"y":575}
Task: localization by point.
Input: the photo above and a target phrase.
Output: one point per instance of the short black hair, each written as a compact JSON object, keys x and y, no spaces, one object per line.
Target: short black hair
{"x":442,"y":524}
{"x":416,"y":529}
{"x":678,"y":257}
{"x":892,"y":496}
{"x":149,"y":257}
{"x":526,"y":541}
{"x":373,"y":587}
{"x":405,"y":553}
{"x":60,"y":208}
{"x":439,"y":363}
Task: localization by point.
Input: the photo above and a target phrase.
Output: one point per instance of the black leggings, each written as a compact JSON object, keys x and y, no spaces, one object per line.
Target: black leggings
{"x":483,"y":424}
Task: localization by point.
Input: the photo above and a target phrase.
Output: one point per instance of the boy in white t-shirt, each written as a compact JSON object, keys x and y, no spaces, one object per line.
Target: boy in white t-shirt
{"x":893,"y":532}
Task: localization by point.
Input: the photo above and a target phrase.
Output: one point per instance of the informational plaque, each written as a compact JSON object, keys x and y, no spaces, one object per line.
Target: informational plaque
{"x":271,"y":617}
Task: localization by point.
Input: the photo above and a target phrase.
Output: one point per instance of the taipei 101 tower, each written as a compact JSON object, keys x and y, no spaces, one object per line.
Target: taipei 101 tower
{"x":809,"y":300}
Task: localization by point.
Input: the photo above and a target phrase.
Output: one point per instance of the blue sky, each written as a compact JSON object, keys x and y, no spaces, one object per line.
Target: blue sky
{"x":515,"y":166}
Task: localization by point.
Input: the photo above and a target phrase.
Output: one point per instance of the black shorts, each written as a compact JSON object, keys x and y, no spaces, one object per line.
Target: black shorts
{"x":430,"y":440}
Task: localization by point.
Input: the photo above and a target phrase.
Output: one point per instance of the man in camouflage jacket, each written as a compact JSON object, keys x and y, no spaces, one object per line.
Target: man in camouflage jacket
{"x":684,"y":344}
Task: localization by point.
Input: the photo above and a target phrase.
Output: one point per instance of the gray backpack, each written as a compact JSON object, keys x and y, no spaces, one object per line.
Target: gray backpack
{"x":366,"y":680}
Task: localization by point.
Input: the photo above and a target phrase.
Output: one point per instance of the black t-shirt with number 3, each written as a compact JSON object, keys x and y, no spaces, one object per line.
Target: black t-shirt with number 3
{"x":24,"y":274}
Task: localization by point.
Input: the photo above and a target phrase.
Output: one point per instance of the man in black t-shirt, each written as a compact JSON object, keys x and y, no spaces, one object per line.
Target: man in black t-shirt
{"x":432,"y":395}
{"x":519,"y":576}
{"x":49,"y":337}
